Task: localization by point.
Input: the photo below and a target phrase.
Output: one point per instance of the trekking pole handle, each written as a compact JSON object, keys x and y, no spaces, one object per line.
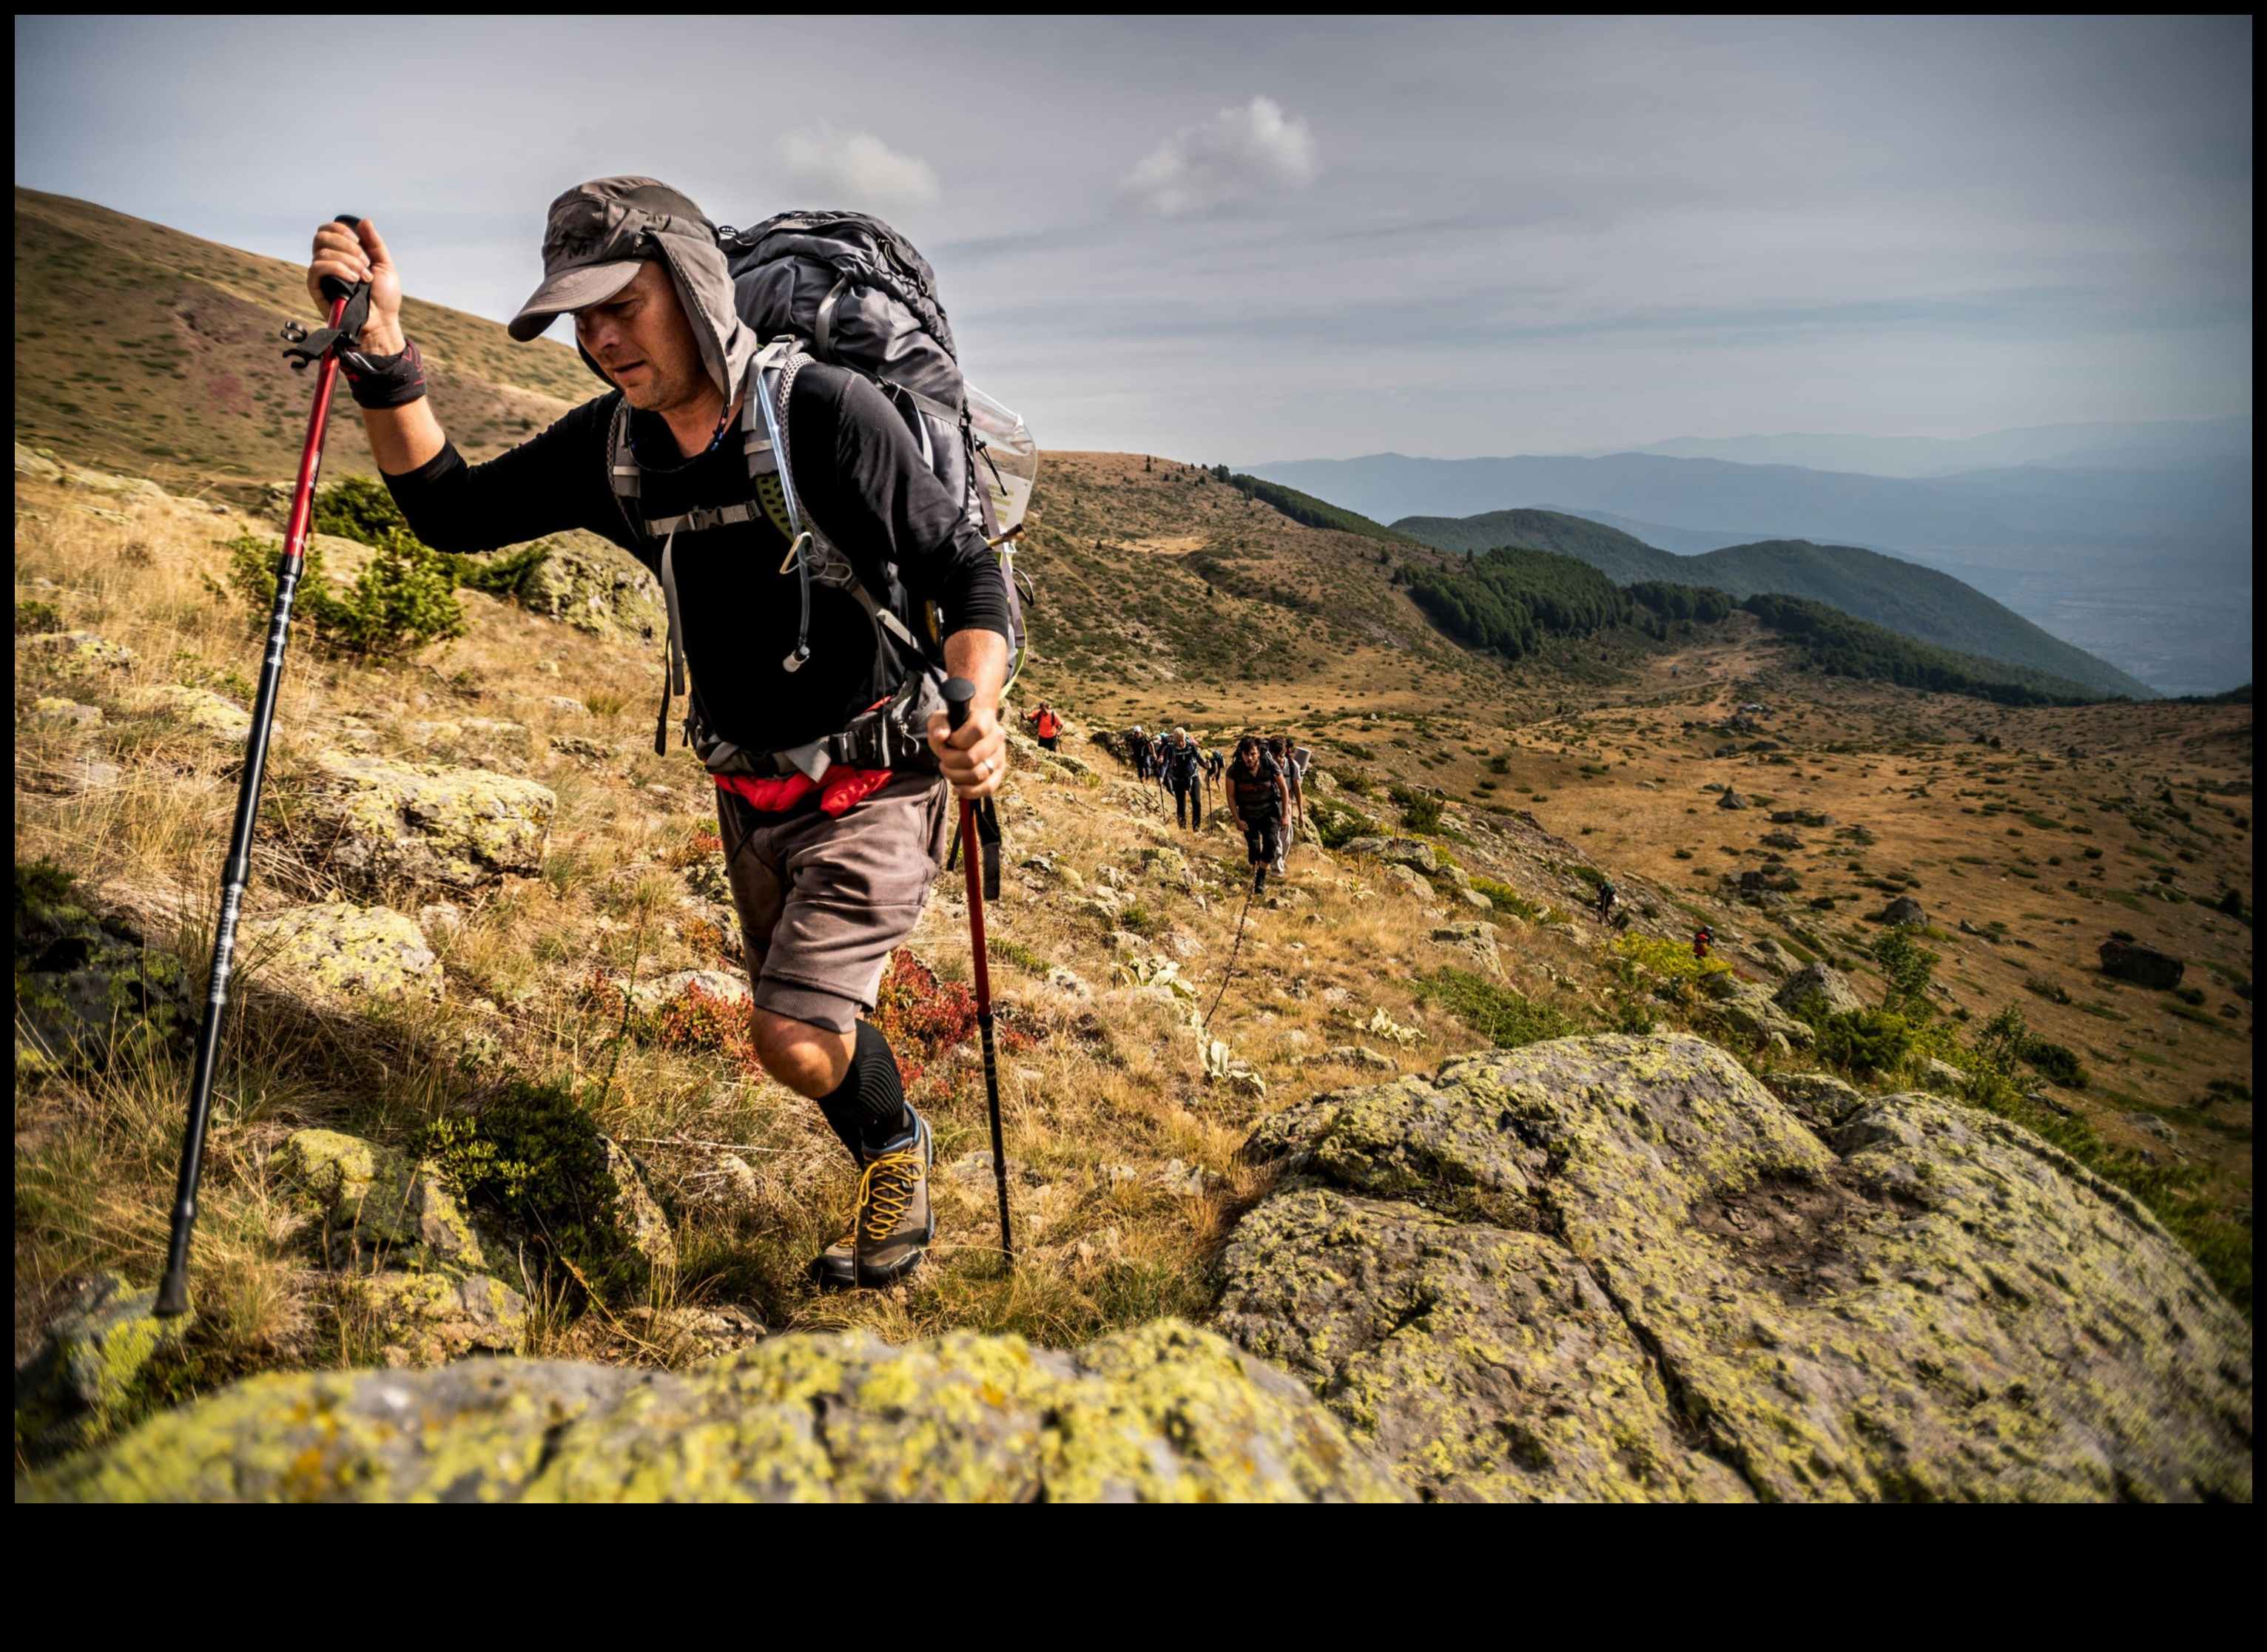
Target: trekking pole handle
{"x":334,"y":289}
{"x":959,"y":694}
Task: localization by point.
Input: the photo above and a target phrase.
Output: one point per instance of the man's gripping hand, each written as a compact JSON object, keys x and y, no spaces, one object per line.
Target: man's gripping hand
{"x":974,"y":756}
{"x":353,"y":256}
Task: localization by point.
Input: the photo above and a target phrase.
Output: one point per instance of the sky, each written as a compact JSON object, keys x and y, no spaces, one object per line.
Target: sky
{"x":1247,"y":240}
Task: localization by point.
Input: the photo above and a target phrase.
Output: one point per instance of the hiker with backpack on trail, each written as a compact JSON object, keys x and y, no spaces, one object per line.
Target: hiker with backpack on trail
{"x":1137,"y":752}
{"x":1259,"y":797}
{"x":821,"y":540}
{"x":1046,"y":726}
{"x":1183,"y":764}
{"x":1607,"y":896}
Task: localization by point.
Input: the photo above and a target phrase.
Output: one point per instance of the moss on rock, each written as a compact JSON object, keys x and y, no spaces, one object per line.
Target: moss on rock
{"x":1162,"y":1414}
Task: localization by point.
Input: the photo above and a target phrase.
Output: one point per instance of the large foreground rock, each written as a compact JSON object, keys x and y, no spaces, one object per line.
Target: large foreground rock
{"x":337,"y":954}
{"x":381,"y":828}
{"x":1162,"y":1414}
{"x":1821,"y":981}
{"x":1617,"y":1267}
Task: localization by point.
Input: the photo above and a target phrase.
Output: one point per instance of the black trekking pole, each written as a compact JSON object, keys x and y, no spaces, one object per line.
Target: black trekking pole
{"x":349,"y":308}
{"x":980,"y":838}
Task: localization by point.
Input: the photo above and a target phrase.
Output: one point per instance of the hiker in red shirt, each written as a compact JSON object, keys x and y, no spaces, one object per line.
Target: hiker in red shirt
{"x":1701,"y":938}
{"x":1047,"y":725}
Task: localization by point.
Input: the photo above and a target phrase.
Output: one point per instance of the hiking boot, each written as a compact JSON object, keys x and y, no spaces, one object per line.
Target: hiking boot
{"x":895,"y":1224}
{"x":1260,"y":878}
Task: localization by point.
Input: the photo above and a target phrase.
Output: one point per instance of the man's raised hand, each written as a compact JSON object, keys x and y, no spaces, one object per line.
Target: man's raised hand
{"x":354,"y":255}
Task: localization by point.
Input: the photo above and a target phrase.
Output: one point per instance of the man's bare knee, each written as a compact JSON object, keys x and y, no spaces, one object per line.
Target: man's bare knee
{"x":812,"y":1060}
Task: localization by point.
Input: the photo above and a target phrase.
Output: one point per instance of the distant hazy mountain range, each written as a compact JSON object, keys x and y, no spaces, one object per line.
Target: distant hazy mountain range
{"x":2132,"y":542}
{"x":1905,"y":597}
{"x":2171,"y":445}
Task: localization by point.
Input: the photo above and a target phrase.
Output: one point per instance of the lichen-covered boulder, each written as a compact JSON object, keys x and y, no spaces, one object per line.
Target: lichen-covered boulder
{"x":1162,"y":1413}
{"x":1933,"y":1306}
{"x":1820,"y":1099}
{"x":594,"y":588}
{"x":636,"y":1212}
{"x":380,"y":827}
{"x":74,"y":650}
{"x":87,"y":988}
{"x":1821,"y":981}
{"x":1407,"y":880}
{"x":1165,"y":861}
{"x":337,"y":954}
{"x":421,"y":1318}
{"x":200,"y":708}
{"x":1410,"y":851}
{"x":87,"y":1362}
{"x":1474,"y":941}
{"x":380,"y":1206}
{"x":1903,"y":912}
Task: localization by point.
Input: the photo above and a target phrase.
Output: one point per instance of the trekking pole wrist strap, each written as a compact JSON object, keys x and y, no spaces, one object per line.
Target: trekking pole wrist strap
{"x":384,"y":381}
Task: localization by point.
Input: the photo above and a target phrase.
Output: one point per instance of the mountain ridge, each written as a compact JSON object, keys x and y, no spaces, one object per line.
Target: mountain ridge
{"x":1907,"y":597}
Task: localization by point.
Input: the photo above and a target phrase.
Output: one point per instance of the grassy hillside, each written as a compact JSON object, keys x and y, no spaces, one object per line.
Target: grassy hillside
{"x":144,"y":349}
{"x":1917,"y":602}
{"x":1316,"y":513}
{"x":1832,"y":642}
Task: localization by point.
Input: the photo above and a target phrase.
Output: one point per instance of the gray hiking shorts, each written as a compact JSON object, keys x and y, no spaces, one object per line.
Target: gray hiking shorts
{"x":823,"y":900}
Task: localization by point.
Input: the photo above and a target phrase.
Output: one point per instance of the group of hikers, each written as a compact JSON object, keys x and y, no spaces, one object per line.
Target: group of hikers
{"x":1262,"y":782}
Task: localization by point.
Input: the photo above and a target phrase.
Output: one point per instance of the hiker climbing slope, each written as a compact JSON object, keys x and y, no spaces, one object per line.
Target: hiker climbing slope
{"x":826,"y":737}
{"x":1258,"y":800}
{"x":1046,"y":726}
{"x":1184,"y":771}
{"x":1137,"y":752}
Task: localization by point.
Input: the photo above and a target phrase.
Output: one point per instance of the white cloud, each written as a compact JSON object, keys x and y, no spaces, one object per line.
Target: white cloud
{"x":855,"y":169}
{"x":1237,"y":152}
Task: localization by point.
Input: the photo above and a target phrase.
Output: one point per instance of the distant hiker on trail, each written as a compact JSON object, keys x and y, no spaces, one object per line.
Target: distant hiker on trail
{"x":1184,"y":767}
{"x":1137,"y":752}
{"x":1279,"y":747}
{"x":1703,"y":938}
{"x":828,"y":741}
{"x":1607,"y":896}
{"x":1258,"y":799}
{"x":1046,"y":727}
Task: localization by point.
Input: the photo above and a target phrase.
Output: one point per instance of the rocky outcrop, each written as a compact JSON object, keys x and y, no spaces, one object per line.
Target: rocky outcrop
{"x":2143,"y":965}
{"x":1748,"y":1009}
{"x":1474,"y":941}
{"x":1823,"y":982}
{"x":1618,"y":1267}
{"x":337,"y":954}
{"x":1162,"y":1414}
{"x":379,"y":827}
{"x":75,"y":651}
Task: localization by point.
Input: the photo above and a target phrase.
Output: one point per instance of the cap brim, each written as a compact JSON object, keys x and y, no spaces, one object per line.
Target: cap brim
{"x":571,"y":290}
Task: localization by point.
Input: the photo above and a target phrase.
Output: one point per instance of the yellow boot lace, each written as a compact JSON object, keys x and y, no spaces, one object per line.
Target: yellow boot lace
{"x":885,"y":1192}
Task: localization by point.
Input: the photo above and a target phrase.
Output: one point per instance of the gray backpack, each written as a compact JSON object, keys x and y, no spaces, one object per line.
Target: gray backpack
{"x":853,"y":291}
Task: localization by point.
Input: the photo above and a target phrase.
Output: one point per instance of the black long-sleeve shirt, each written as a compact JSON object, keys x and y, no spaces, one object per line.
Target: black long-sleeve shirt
{"x":858,"y":476}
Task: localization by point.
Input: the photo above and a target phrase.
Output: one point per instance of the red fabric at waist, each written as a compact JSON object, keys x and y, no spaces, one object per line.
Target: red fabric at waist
{"x":843,"y":790}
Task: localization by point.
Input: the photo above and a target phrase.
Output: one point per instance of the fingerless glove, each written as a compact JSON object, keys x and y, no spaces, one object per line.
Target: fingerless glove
{"x":384,"y":381}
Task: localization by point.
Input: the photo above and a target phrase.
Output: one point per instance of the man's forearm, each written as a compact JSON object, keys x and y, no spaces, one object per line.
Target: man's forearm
{"x":980,"y":656}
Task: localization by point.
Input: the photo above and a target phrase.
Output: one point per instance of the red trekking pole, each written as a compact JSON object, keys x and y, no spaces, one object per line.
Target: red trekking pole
{"x":980,"y":840}
{"x":349,"y":309}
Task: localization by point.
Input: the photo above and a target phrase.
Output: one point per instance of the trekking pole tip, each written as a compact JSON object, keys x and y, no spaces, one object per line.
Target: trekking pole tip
{"x":173,"y":1294}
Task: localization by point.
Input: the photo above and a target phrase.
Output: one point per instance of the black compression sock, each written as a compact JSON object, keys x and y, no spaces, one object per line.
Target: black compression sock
{"x":868,"y":1109}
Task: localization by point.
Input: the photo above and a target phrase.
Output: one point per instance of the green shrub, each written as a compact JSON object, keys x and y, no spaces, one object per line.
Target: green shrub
{"x":37,"y":616}
{"x":1506,"y":1018}
{"x":1336,"y":825}
{"x":1863,"y":1041}
{"x":1908,"y":968}
{"x":2056,"y":1061}
{"x":359,"y":508}
{"x":1015,"y":952}
{"x":1419,"y":813}
{"x":1504,"y":898}
{"x":404,"y":598}
{"x":535,"y":1164}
